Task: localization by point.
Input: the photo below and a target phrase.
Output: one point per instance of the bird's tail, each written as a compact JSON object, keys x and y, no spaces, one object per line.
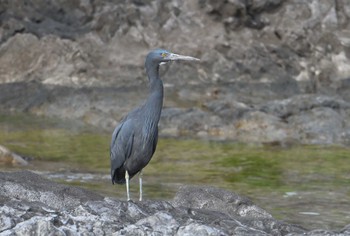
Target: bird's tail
{"x":118,"y":176}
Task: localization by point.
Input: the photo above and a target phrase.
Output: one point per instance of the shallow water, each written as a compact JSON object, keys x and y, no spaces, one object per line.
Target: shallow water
{"x":306,"y":185}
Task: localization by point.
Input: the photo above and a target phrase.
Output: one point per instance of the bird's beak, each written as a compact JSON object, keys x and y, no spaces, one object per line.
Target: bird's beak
{"x":177,"y":57}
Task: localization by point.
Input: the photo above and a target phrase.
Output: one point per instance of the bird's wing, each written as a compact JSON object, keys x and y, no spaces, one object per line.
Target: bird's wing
{"x":121,"y":144}
{"x":155,"y":141}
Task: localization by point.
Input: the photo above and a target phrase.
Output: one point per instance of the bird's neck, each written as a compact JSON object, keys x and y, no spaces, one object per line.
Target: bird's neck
{"x":152,"y":70}
{"x":155,"y":97}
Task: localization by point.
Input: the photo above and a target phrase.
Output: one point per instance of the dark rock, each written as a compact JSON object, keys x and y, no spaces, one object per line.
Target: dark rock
{"x":229,"y":110}
{"x":63,"y":18}
{"x":295,"y":105}
{"x":236,"y":13}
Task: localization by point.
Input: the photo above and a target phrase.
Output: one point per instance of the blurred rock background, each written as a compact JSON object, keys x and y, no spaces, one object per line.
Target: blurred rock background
{"x":271,"y":71}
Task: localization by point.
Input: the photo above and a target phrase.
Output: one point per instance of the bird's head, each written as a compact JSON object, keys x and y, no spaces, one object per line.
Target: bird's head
{"x":161,"y":56}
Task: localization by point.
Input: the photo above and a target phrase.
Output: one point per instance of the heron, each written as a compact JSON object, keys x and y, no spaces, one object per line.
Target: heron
{"x":135,"y":138}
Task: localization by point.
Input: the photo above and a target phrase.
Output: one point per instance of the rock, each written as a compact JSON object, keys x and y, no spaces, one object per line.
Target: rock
{"x":260,"y":60}
{"x":27,"y":186}
{"x":257,"y":127}
{"x":314,"y":119}
{"x":189,"y":122}
{"x":30,"y":204}
{"x":217,"y":200}
{"x":296,"y":104}
{"x":8,"y":157}
{"x":50,"y":60}
{"x":320,"y":126}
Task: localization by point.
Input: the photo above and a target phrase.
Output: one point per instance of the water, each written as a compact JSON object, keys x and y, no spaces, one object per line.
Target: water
{"x":305,"y":185}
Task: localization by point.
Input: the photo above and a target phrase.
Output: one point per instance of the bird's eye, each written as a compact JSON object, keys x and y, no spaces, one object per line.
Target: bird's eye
{"x":163,"y":54}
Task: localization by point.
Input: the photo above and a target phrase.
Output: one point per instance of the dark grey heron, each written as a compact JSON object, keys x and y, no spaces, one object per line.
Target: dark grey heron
{"x":134,"y":140}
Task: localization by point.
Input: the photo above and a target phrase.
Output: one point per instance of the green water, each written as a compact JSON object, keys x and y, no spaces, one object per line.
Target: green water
{"x":306,"y":185}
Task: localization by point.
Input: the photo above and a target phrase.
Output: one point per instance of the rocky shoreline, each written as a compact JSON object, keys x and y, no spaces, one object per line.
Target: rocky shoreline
{"x":271,"y":71}
{"x":33,"y":205}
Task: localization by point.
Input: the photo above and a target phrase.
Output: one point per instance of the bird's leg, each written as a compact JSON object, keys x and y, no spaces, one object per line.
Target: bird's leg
{"x":127,"y":185}
{"x":140,"y":182}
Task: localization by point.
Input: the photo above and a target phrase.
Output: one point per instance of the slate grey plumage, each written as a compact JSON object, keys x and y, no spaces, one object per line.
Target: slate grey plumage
{"x":135,"y":139}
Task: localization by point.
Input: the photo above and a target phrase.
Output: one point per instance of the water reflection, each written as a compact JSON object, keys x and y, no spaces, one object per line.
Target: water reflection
{"x":307,"y":185}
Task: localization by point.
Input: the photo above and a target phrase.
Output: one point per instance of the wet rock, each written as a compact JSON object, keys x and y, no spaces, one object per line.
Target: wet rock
{"x":27,"y":186}
{"x":30,"y":204}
